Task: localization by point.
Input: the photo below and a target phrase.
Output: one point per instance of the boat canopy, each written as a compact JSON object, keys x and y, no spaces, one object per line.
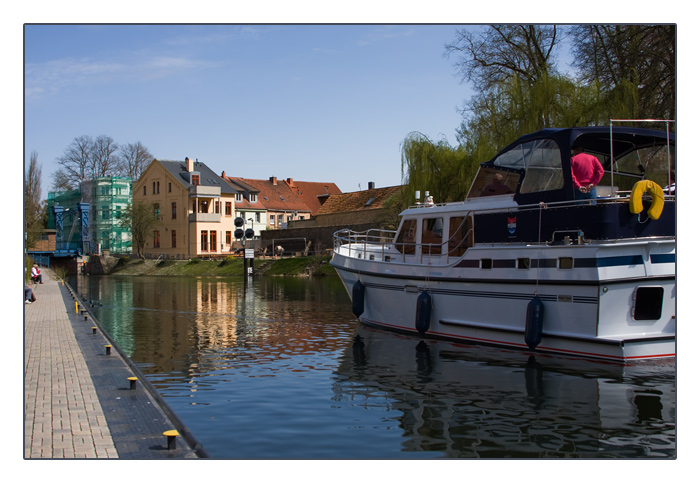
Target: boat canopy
{"x":537,"y":166}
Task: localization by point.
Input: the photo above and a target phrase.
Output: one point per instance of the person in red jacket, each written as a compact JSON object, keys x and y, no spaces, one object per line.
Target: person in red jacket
{"x":586,"y":172}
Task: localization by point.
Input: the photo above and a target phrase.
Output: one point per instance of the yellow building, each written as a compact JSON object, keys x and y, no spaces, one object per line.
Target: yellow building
{"x":196,"y":208}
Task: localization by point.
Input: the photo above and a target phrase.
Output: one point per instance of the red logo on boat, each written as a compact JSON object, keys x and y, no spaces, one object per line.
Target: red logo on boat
{"x":511,"y":225}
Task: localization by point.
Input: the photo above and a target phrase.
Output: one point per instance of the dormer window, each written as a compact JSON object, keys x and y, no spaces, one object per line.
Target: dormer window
{"x":239,"y":196}
{"x":253,"y":198}
{"x":195,"y":179}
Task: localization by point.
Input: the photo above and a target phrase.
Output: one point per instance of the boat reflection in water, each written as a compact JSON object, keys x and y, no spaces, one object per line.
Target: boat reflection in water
{"x":476,"y":401}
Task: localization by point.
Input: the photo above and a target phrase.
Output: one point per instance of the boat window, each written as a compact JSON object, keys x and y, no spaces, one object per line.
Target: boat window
{"x":431,"y":236}
{"x":566,"y":263}
{"x":461,"y":235}
{"x":523,"y":263}
{"x":406,"y":238}
{"x":651,"y":163}
{"x":486,"y":263}
{"x":491,"y":182}
{"x":542,"y":167}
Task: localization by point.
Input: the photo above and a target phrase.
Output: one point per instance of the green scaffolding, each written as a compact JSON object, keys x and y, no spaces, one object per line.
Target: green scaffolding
{"x":108,"y":197}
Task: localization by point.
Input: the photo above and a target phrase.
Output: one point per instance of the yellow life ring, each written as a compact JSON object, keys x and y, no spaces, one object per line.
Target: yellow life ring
{"x":657,"y":198}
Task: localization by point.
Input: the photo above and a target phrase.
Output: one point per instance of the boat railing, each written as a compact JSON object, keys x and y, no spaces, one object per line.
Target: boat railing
{"x":379,"y":245}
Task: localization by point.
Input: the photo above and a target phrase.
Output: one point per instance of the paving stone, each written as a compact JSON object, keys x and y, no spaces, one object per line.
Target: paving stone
{"x":75,"y":405}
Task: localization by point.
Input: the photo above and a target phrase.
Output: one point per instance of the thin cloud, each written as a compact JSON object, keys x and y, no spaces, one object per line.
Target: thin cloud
{"x":384,"y":33}
{"x":55,"y":76}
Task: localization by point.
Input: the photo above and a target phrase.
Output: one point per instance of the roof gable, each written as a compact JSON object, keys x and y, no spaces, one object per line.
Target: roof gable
{"x":207,"y":177}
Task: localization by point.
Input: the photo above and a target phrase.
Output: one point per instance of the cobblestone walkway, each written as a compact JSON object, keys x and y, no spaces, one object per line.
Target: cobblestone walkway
{"x":63,"y":417}
{"x":78,"y":401}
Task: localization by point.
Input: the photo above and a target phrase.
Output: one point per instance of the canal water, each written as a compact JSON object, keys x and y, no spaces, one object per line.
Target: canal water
{"x":279,"y":368}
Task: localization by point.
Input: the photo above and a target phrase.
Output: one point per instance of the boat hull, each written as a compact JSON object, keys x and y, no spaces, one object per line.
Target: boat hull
{"x":588,"y":311}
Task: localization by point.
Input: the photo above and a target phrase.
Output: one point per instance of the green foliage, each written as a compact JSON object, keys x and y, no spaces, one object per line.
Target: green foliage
{"x":436,"y":167}
{"x":519,"y":91}
{"x":139,"y":218}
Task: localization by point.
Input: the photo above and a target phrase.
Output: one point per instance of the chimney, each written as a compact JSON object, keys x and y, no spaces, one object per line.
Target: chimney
{"x":190,"y":165}
{"x":370,"y":185}
{"x":273,"y":180}
{"x":223,"y":174}
{"x":290,"y":182}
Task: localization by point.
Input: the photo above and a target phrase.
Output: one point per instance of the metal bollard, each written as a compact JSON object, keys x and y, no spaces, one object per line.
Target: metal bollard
{"x":132,"y":382}
{"x":109,"y":349}
{"x":94,"y":330}
{"x":171,"y":435}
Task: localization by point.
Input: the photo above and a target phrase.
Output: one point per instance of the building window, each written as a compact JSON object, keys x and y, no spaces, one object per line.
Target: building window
{"x":272,"y":220}
{"x":253,"y":198}
{"x":204,"y":240}
{"x":144,"y":190}
{"x":212,"y":241}
{"x":257,"y":217}
{"x":174,"y":210}
{"x":195,"y":179}
{"x":156,"y":210}
{"x":239,"y":196}
{"x":228,"y":237}
{"x":156,"y":239}
{"x":158,"y":187}
{"x":154,"y":187}
{"x":229,"y":208}
{"x":170,"y":187}
{"x":217,"y":207}
{"x":173,"y":239}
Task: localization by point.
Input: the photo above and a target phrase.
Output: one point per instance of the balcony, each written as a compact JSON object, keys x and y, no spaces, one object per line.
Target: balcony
{"x":205,"y":217}
{"x":199,"y":191}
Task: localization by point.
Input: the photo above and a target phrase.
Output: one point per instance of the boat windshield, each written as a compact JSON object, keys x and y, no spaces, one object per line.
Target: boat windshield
{"x":540,"y":160}
{"x":491,"y":182}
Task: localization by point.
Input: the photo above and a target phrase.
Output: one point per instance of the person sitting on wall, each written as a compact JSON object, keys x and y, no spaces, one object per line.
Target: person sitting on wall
{"x":29,"y":296}
{"x":586,"y":173}
{"x":36,"y":274}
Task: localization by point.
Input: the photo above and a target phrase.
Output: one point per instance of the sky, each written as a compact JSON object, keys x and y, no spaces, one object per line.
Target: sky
{"x":329,"y":103}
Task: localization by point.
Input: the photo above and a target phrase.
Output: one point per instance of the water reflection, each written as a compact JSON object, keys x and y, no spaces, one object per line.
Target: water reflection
{"x":280,"y":369}
{"x":474,"y":401}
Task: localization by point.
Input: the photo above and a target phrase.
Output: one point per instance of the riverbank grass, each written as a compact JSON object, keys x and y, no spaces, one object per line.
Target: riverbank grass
{"x":227,"y":267}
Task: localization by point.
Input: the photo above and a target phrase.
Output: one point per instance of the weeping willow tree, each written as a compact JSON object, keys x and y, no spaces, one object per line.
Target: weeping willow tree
{"x":519,"y":90}
{"x":516,"y":107}
{"x":435,"y":166}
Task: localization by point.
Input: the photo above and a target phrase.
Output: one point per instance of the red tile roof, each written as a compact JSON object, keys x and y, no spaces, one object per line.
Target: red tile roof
{"x":286,"y":195}
{"x":357,"y":200}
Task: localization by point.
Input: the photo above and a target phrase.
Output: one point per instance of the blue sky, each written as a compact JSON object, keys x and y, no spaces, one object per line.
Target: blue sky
{"x":310,"y":102}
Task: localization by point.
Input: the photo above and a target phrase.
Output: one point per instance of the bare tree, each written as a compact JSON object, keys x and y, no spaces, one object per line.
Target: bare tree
{"x":492,"y":56}
{"x":104,"y":158}
{"x":75,"y":164}
{"x":133,"y":160}
{"x":34,"y":208}
{"x":641,"y":55}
